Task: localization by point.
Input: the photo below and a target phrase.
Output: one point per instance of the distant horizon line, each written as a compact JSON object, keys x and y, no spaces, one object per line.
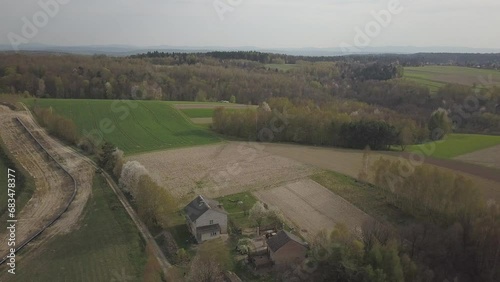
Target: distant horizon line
{"x":242,"y":46}
{"x":122,"y":49}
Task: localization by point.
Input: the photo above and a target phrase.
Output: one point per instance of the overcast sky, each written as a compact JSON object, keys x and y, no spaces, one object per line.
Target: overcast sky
{"x":260,"y":23}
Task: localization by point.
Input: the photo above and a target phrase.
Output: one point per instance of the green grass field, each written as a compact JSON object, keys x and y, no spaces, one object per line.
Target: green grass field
{"x":106,"y":247}
{"x":133,"y":126}
{"x":198,"y":113}
{"x":237,"y":210}
{"x":207,"y":113}
{"x":457,"y":144}
{"x":282,"y":67}
{"x":435,"y":77}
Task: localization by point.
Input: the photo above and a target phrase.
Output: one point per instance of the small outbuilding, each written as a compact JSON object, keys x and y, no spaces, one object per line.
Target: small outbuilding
{"x":285,"y":248}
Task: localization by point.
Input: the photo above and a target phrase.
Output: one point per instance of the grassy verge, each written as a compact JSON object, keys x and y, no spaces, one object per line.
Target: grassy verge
{"x":457,"y":144}
{"x":370,"y":199}
{"x":106,"y":247}
{"x":25,"y":184}
{"x":237,"y":207}
{"x":219,"y":251}
{"x":11,"y":101}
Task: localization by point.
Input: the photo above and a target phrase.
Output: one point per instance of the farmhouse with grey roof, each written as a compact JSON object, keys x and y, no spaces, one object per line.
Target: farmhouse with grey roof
{"x":205,"y":218}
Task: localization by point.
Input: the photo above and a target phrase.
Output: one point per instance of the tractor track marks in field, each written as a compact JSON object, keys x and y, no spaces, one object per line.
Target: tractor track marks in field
{"x":119,"y":128}
{"x":146,"y":129}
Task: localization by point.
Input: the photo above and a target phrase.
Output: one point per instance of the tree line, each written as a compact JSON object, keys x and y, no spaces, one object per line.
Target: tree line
{"x":153,"y":203}
{"x":485,"y":61}
{"x":338,"y":123}
{"x":57,"y":125}
{"x":456,"y":232}
{"x":452,"y":234}
{"x":221,"y":75}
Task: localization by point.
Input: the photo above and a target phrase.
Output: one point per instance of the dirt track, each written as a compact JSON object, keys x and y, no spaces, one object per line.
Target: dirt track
{"x":313,"y":207}
{"x":53,"y":187}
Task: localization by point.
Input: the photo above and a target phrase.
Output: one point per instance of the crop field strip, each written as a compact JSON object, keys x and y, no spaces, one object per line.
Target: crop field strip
{"x":313,"y":207}
{"x":146,"y":126}
{"x":435,"y":77}
{"x":456,"y":145}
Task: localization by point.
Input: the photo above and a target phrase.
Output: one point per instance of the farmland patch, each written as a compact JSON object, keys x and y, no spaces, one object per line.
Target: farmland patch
{"x":219,"y":170}
{"x":435,"y":77}
{"x":313,"y":207}
{"x":489,"y":157}
{"x":133,"y":126}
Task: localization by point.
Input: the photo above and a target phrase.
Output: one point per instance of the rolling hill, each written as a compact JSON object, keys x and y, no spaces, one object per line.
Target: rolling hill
{"x":133,"y":126}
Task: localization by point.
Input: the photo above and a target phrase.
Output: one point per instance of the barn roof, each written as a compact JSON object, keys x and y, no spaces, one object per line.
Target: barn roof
{"x":200,"y":205}
{"x":279,"y":240}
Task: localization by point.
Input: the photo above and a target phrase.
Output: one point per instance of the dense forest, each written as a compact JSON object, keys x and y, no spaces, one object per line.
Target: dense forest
{"x":453,"y":235}
{"x":341,"y":123}
{"x":354,"y":102}
{"x":215,"y":76}
{"x":487,"y":61}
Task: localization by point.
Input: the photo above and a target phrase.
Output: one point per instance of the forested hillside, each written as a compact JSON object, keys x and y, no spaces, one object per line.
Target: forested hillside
{"x":253,"y":77}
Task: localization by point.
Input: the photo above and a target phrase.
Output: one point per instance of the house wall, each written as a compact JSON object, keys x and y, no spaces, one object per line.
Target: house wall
{"x":191,"y":226}
{"x":291,"y":252}
{"x":208,"y":236}
{"x":217,"y":217}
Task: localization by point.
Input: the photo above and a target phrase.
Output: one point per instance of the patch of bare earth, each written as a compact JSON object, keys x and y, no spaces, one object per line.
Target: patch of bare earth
{"x":222,"y":169}
{"x":313,"y":207}
{"x":53,"y":187}
{"x":348,"y":162}
{"x":489,"y":157}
